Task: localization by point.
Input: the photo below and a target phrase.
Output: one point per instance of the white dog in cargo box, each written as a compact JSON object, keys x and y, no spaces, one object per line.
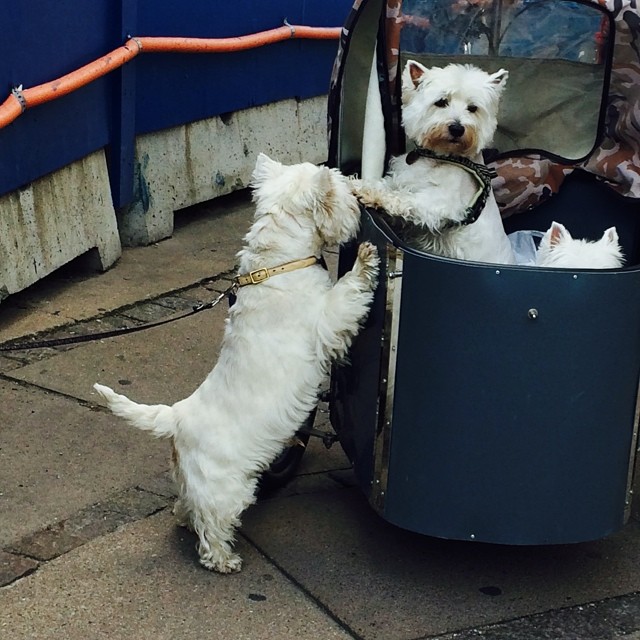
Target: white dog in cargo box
{"x":438,"y":196}
{"x":287,"y":325}
{"x":560,"y":250}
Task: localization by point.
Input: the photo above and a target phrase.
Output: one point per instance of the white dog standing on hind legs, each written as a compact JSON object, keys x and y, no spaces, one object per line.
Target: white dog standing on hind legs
{"x":450,"y":114}
{"x":281,"y":336}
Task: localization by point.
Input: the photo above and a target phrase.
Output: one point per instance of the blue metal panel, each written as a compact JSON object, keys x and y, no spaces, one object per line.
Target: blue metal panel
{"x":507,"y":429}
{"x":41,"y":41}
{"x":207,"y":19}
{"x":121,"y":149}
{"x":504,"y":428}
{"x":178,"y":88}
{"x":173,"y":89}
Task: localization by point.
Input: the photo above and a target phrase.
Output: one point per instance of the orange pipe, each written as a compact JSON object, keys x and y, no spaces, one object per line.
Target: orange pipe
{"x":222,"y":45}
{"x":21,"y":100}
{"x":82,"y":76}
{"x":10,"y":110}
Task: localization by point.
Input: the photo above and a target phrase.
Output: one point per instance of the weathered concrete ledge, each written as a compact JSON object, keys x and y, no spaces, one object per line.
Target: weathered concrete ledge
{"x":55,"y":219}
{"x":199,"y":161}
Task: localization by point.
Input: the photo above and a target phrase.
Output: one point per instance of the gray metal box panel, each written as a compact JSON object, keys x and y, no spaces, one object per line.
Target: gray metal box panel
{"x":503,"y":428}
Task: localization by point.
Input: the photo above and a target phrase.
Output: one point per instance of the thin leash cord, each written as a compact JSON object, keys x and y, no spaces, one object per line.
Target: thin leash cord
{"x":56,"y":342}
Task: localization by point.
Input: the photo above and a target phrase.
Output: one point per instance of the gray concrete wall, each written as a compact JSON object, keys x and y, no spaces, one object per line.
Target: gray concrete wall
{"x":55,"y":219}
{"x":179,"y":167}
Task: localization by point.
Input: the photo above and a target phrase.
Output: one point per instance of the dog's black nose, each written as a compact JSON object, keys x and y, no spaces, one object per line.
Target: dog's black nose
{"x":456,"y":129}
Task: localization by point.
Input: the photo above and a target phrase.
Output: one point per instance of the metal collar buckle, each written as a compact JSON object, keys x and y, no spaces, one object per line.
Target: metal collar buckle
{"x":258,"y":276}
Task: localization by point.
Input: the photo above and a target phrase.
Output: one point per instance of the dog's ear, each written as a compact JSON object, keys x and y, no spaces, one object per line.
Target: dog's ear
{"x":610,"y":236}
{"x":415,"y":71}
{"x":557,"y":232}
{"x":325,"y":195}
{"x":265,"y":163}
{"x":264,"y":169}
{"x":499,"y":79}
{"x":335,"y":208}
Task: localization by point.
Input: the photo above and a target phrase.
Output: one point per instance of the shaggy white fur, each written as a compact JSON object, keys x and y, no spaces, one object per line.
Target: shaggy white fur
{"x":451,"y":111}
{"x":280,"y":339}
{"x":560,"y":250}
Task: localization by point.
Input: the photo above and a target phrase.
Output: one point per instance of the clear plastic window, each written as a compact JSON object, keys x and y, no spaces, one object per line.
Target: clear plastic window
{"x":556,"y":52}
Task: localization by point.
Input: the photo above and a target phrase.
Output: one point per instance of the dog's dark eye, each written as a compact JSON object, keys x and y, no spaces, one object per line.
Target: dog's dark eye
{"x":443,"y":102}
{"x":472,"y":108}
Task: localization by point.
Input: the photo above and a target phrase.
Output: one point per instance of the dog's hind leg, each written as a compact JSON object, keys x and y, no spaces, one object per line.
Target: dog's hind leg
{"x":216,"y":536}
{"x":216,"y":521}
{"x":182,"y":514}
{"x":347,"y":305}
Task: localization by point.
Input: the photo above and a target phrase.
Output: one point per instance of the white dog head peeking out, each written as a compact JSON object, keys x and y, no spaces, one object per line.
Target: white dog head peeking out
{"x":451,"y":109}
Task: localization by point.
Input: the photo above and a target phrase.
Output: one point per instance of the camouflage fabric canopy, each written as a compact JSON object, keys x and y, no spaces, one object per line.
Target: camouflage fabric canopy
{"x":526,"y":179}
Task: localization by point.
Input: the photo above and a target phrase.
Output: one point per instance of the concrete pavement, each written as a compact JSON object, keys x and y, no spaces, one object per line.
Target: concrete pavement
{"x":89,"y":549}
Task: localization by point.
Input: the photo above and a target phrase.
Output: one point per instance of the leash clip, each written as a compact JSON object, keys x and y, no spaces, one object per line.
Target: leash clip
{"x":212,"y":303}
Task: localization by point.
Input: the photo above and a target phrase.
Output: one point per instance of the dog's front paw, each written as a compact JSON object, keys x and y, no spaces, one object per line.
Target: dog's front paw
{"x":355,"y":184}
{"x":368,"y":263}
{"x":369,"y":196}
{"x":366,"y":192}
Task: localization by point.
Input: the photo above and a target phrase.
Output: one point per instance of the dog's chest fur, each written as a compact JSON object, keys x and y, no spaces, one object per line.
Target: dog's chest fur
{"x":268,"y":362}
{"x":443,"y":185}
{"x":445,"y":188}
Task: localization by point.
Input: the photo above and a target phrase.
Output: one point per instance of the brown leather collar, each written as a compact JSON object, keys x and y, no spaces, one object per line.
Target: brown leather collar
{"x":260,"y":275}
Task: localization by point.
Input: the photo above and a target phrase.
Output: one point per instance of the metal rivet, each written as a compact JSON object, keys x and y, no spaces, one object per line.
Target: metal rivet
{"x":472,"y":536}
{"x":532,"y":313}
{"x":497,"y":272}
{"x":575,"y":276}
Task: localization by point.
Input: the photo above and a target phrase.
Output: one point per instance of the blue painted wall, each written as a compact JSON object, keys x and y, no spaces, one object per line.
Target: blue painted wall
{"x":172,"y":89}
{"x":42,"y":40}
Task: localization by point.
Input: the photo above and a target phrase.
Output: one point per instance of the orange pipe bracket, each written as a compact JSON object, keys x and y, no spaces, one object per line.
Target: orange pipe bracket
{"x":22,"y":99}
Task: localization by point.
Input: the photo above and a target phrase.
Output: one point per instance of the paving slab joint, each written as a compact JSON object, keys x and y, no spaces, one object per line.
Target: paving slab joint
{"x":14,"y":566}
{"x":87,"y":524}
{"x":303,"y":589}
{"x":614,"y":618}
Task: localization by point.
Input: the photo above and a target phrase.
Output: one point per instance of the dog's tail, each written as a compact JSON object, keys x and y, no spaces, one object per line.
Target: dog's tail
{"x":156,"y":418}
